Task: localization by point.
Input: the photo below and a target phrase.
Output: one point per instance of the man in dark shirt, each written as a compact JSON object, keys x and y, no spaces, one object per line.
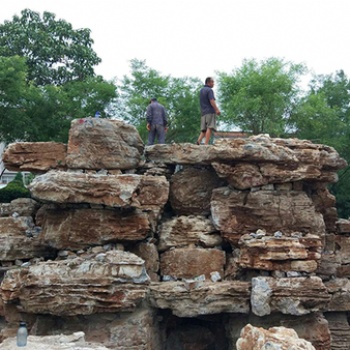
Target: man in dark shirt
{"x":156,"y":122}
{"x":209,"y":111}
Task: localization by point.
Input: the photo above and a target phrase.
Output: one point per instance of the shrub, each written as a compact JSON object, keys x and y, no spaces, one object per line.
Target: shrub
{"x":15,"y":189}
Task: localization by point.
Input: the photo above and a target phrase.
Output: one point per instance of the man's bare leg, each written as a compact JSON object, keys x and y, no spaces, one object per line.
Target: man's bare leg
{"x":207,"y":136}
{"x":201,"y":137}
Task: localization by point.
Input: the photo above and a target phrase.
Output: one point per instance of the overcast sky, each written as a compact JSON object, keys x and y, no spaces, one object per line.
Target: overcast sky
{"x":197,"y":38}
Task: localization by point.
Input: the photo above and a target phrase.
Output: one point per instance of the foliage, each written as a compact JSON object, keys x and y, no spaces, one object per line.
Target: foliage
{"x":44,"y":113}
{"x":259,"y":97}
{"x":42,"y":91}
{"x":15,"y":189}
{"x":323,"y":116}
{"x":13,"y":89}
{"x":178,"y":95}
{"x":55,"y":53}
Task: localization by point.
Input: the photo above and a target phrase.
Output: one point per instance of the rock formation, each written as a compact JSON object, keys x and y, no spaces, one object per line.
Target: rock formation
{"x":175,"y":246}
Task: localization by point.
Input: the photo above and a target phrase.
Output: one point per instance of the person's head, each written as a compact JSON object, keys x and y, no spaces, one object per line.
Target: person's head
{"x":209,"y":81}
{"x":153,"y":99}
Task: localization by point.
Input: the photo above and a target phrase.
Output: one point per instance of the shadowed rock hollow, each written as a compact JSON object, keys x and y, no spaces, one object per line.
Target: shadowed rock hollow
{"x":175,"y":246}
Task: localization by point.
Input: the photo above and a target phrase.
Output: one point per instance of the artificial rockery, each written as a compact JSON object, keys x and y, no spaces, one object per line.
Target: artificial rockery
{"x":174,"y":246}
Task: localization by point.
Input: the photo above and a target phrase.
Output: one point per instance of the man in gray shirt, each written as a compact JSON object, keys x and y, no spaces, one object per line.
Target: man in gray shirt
{"x":156,"y":122}
{"x":209,"y":111}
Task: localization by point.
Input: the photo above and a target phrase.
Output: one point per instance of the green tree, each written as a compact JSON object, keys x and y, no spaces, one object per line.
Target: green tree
{"x":323,"y":116}
{"x":260,"y":96}
{"x":13,"y":91}
{"x":55,"y":53}
{"x":51,"y":83}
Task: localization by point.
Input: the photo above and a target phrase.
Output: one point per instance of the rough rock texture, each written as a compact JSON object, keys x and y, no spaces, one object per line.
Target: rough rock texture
{"x":19,"y":239}
{"x":103,"y":144}
{"x":340,"y":330}
{"x":339,"y":290}
{"x":276,"y":338}
{"x":19,"y":206}
{"x":312,"y":327}
{"x":343,"y":226}
{"x":295,"y":253}
{"x":35,"y":156}
{"x":201,"y":298}
{"x":255,"y":149}
{"x":191,"y":189}
{"x":335,"y":260}
{"x":183,"y":230}
{"x":80,"y":228}
{"x":111,"y":282}
{"x":192,"y":262}
{"x":149,"y":253}
{"x":180,"y":249}
{"x":294,"y":296}
{"x":235,"y":213}
{"x":146,"y":192}
{"x":246,"y":175}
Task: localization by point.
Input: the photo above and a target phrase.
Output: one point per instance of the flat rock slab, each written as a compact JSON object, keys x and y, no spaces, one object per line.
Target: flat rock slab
{"x":114,"y":281}
{"x":138,"y":191}
{"x":291,"y":296}
{"x":186,"y":300}
{"x":35,"y":156}
{"x":254,"y":149}
{"x":76,"y":229}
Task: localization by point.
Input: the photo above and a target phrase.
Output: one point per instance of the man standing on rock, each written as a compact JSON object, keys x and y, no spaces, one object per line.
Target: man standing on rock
{"x":156,"y":122}
{"x":209,"y":111}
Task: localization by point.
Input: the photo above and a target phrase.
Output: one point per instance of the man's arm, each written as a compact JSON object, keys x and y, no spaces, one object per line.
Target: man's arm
{"x":149,"y":114}
{"x":213,"y":104}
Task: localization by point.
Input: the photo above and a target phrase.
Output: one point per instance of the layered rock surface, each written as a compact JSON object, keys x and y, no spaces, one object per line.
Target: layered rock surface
{"x":182,"y":249}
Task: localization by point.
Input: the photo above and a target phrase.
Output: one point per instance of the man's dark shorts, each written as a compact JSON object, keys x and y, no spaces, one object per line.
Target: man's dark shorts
{"x":208,"y":121}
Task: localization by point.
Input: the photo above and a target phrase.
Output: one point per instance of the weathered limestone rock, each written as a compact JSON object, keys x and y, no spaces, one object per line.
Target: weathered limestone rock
{"x":235,"y":213}
{"x":191,"y":189}
{"x":343,"y":226}
{"x":325,"y":204}
{"x":145,"y":192}
{"x":280,"y":253}
{"x":103,"y":144}
{"x":335,"y":259}
{"x":246,"y":175}
{"x":76,"y":229}
{"x":19,"y":239}
{"x":276,"y":338}
{"x":138,"y":330}
{"x":201,"y":299}
{"x":260,"y":149}
{"x":294,"y":296}
{"x":120,"y":331}
{"x":114,"y":281}
{"x":339,"y":290}
{"x":312,"y":327}
{"x":192,"y":262}
{"x":36,"y":157}
{"x":149,"y":253}
{"x":340,"y":330}
{"x":19,"y":206}
{"x":75,"y":341}
{"x":181,"y":231}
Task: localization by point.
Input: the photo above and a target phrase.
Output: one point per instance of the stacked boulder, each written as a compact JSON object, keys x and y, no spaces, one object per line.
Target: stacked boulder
{"x":174,"y":246}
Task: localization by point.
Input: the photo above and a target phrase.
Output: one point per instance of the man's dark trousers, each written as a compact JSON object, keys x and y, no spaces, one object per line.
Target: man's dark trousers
{"x":158,"y":131}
